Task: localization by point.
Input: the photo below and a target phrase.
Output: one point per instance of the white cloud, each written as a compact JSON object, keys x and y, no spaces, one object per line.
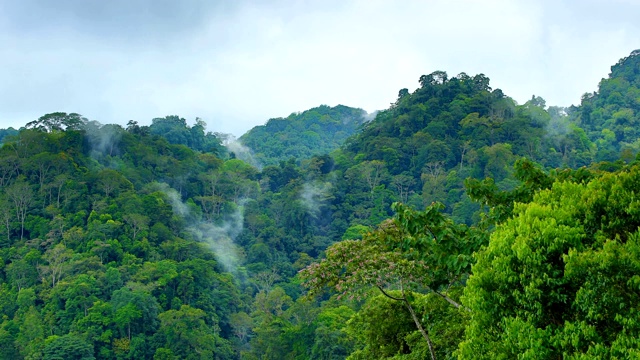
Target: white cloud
{"x":238,"y":66}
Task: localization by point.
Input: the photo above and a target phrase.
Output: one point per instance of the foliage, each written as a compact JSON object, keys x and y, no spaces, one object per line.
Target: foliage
{"x":95,"y":251}
{"x":415,"y":252}
{"x":156,"y":242}
{"x":610,"y":116}
{"x":317,"y":131}
{"x":558,"y":279}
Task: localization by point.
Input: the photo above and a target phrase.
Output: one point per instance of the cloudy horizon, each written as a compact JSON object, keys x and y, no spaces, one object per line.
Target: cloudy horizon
{"x":236,"y":64}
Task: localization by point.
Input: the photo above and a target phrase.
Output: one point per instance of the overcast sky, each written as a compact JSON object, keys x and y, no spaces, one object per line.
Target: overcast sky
{"x":238,"y":63}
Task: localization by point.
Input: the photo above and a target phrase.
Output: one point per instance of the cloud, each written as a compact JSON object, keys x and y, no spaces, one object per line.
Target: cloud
{"x":237,"y":64}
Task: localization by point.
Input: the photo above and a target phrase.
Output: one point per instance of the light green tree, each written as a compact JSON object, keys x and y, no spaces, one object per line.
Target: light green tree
{"x":559,"y":279}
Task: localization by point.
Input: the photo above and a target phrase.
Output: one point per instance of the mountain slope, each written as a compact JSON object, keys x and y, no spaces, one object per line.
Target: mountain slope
{"x":611,"y":116}
{"x":315,"y":131}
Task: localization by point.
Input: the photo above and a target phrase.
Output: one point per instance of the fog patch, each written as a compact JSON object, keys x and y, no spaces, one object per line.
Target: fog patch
{"x":314,"y":195}
{"x":368,"y":117}
{"x":104,"y":139}
{"x":219,"y":237}
{"x":240,"y":151}
{"x":558,"y":126}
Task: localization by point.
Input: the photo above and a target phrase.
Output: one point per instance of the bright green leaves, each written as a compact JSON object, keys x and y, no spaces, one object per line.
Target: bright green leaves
{"x":560,"y":277}
{"x":186,"y":333}
{"x":433,"y":238}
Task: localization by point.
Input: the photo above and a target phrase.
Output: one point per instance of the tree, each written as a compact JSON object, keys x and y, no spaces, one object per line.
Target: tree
{"x":382,"y":329}
{"x":139,"y":312}
{"x":403,"y":184}
{"x":31,"y":336}
{"x":241,"y":323}
{"x":352,"y":267}
{"x":372,"y":172}
{"x":9,"y":168}
{"x":58,"y":263}
{"x":41,"y":165}
{"x":559,"y":278}
{"x":80,"y":294}
{"x":67,"y":347}
{"x":126,"y":315}
{"x":5,"y":218}
{"x":21,"y":194}
{"x":331,"y":341}
{"x":58,"y":121}
{"x":415,"y":251}
{"x":110,"y":181}
{"x":21,"y":273}
{"x":186,"y":333}
{"x":137,"y":222}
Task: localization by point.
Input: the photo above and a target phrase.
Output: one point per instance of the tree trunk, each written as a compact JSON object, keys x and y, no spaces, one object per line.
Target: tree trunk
{"x":422,"y":330}
{"x":424,"y":333}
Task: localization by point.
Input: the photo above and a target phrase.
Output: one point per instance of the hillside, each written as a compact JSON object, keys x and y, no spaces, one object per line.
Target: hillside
{"x":156,"y":242}
{"x":100,"y":257}
{"x":302,"y":135}
{"x":611,"y":115}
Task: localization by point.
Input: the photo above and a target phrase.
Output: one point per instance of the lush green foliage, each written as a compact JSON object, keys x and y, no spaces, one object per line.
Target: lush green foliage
{"x":155,"y":242}
{"x":316,"y":131}
{"x":559,"y":279}
{"x":611,"y":116}
{"x":96,"y":260}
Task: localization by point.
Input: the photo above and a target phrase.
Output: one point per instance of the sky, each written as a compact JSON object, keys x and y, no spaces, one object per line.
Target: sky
{"x":236,"y":64}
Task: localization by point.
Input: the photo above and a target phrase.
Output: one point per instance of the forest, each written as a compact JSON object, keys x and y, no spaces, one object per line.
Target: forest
{"x":455,"y":224}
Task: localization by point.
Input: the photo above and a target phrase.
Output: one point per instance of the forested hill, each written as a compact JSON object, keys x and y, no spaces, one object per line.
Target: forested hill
{"x":99,"y":255}
{"x":315,"y":131}
{"x":155,"y":242}
{"x":611,"y":115}
{"x":429,"y":141}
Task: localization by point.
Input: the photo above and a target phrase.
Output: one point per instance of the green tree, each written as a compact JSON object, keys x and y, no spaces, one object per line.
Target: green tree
{"x":21,"y":194}
{"x":67,"y":347}
{"x":58,"y":121}
{"x":30,"y":339}
{"x":186,"y":333}
{"x":415,"y":251}
{"x":57,"y":263}
{"x":559,"y":278}
{"x":331,"y":341}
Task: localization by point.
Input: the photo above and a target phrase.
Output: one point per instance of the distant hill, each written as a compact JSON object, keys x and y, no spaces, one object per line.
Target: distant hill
{"x":316,"y":131}
{"x":611,"y":116}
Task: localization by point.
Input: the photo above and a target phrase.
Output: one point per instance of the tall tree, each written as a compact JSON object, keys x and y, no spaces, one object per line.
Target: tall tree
{"x":57,"y":263}
{"x":415,"y":251}
{"x":58,"y":121}
{"x":21,"y":194}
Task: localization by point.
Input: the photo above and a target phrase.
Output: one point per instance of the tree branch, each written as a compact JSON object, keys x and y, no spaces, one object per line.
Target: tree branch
{"x":451,"y":301}
{"x":387,"y":295}
{"x":418,"y":324}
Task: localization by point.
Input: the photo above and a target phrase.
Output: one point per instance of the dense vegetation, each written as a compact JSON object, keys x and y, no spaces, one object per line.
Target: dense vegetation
{"x":317,"y":131}
{"x":611,"y":116}
{"x":157,"y":242}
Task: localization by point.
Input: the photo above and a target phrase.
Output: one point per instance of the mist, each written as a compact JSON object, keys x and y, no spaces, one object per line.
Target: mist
{"x":559,"y":123}
{"x":104,"y":139}
{"x":369,"y":116}
{"x":241,"y":152}
{"x":314,"y":195}
{"x":219,"y":238}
